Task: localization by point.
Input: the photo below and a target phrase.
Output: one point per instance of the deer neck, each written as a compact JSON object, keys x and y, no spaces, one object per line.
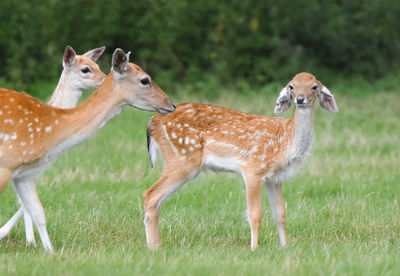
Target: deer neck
{"x":303,"y":133}
{"x":80,"y":123}
{"x":66,"y":94}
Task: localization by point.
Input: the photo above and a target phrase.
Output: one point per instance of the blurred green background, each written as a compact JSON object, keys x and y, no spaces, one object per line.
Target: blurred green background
{"x":221,"y":41}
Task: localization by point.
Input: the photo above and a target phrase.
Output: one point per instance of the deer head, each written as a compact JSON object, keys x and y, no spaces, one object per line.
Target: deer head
{"x":303,"y":89}
{"x":137,"y":87}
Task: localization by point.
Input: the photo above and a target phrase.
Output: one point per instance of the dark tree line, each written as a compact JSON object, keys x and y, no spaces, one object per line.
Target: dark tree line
{"x":180,"y":41}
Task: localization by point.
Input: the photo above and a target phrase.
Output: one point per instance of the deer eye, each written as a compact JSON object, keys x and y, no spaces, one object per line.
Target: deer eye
{"x":314,"y":87}
{"x":145,"y":81}
{"x":85,"y":70}
{"x":290,"y":87}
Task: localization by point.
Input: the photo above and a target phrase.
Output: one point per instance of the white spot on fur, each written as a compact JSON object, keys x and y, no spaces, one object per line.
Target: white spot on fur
{"x":186,"y":140}
{"x":173,"y":135}
{"x":48,"y":128}
{"x":180,"y":141}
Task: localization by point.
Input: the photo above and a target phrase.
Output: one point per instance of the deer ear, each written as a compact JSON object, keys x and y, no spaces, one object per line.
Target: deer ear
{"x":327,"y":100}
{"x":283,"y":102}
{"x":119,"y":62}
{"x":69,"y":57}
{"x":95,"y":53}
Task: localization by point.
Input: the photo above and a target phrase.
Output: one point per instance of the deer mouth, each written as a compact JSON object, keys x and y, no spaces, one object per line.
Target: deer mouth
{"x":163,"y":110}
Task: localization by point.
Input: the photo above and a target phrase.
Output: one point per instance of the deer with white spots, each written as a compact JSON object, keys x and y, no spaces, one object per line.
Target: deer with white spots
{"x":263,"y":150}
{"x":79,"y":72}
{"x":33,"y":134}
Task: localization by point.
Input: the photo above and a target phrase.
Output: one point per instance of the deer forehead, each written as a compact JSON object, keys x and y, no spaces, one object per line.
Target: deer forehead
{"x":82,"y":61}
{"x":135,"y":68}
{"x":302,"y":83}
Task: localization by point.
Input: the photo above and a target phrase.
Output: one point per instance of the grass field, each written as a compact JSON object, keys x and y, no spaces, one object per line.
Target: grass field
{"x":342,"y":208}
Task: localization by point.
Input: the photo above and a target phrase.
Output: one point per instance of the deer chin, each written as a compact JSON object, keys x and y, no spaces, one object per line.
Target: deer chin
{"x":304,"y":105}
{"x":161,"y":110}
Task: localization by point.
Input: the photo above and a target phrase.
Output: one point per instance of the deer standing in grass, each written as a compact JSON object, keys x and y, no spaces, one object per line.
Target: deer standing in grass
{"x":79,"y":72}
{"x":261,"y":149}
{"x":33,"y":134}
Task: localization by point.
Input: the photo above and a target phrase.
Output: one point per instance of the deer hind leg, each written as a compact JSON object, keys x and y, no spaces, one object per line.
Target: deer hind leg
{"x":5,"y":177}
{"x":278,"y":210}
{"x":27,"y":193}
{"x":254,"y":206}
{"x":5,"y":230}
{"x":170,"y":181}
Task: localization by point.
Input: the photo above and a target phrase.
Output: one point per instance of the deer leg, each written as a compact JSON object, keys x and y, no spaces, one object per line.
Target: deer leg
{"x":30,"y":236}
{"x":27,"y":193}
{"x":5,"y":177}
{"x":278,"y":210}
{"x":5,"y":230}
{"x":169,"y":182}
{"x":254,"y":206}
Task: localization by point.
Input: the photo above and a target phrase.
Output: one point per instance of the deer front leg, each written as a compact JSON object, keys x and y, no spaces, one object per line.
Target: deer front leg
{"x":169,"y":182}
{"x":254,"y":207}
{"x":278,"y":210}
{"x":30,"y":201}
{"x":30,"y":236}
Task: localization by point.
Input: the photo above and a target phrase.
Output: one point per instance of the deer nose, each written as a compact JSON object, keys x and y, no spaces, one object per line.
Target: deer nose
{"x":300,"y":99}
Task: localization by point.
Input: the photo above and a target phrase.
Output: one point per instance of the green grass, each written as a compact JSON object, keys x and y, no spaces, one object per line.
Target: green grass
{"x":342,"y":208}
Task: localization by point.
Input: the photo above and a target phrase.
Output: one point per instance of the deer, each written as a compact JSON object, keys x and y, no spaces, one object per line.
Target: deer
{"x":263,"y":150}
{"x":79,"y":72}
{"x":34,"y":134}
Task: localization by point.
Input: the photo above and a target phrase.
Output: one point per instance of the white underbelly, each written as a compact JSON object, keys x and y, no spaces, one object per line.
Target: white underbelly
{"x":217,"y":163}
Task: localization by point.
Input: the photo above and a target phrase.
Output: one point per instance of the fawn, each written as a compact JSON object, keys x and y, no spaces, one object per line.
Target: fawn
{"x":33,"y":134}
{"x":261,"y":149}
{"x":79,"y":72}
